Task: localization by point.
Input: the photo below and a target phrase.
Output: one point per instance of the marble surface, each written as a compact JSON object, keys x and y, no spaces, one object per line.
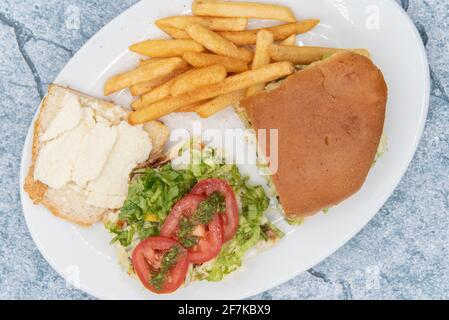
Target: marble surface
{"x":403,"y":253}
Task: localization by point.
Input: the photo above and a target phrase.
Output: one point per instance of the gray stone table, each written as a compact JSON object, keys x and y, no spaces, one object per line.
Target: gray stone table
{"x":403,"y":253}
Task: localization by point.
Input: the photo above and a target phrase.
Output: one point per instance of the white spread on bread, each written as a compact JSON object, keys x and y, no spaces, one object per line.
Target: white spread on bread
{"x":94,"y":153}
{"x":92,"y":147}
{"x":108,"y":115}
{"x":131,"y":148}
{"x":67,"y":119}
{"x":57,"y":157}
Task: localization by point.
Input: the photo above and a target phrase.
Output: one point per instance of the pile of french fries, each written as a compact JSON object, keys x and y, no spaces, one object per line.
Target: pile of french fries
{"x":212,"y":61}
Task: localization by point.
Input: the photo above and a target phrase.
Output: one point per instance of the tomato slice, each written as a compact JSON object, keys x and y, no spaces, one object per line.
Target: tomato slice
{"x":147,"y":258}
{"x":230,"y":220}
{"x":183,"y":208}
{"x":209,"y":245}
{"x":210,"y":235}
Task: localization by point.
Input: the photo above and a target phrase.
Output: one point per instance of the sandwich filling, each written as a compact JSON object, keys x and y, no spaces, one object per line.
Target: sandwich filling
{"x":155,"y":192}
{"x":93,"y":149}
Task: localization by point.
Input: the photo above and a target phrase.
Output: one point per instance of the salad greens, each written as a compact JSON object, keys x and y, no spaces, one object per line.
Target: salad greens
{"x":382,"y":148}
{"x":154,"y":191}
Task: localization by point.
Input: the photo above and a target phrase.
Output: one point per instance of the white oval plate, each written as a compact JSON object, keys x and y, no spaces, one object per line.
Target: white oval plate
{"x":84,"y":256}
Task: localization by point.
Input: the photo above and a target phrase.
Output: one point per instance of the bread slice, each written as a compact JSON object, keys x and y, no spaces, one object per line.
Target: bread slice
{"x":69,"y":202}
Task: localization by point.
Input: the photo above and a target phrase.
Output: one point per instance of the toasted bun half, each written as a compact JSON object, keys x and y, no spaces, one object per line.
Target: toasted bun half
{"x":330,"y":118}
{"x":69,"y":202}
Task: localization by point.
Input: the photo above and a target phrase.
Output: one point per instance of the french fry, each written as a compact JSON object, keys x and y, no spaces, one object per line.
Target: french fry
{"x":156,"y":110}
{"x":148,"y":72}
{"x":241,"y":38}
{"x":237,"y":82}
{"x":248,"y":37}
{"x":306,"y":55}
{"x":147,"y":61}
{"x":165,"y":48}
{"x":198,"y":78}
{"x":175,"y":33}
{"x":215,"y":24}
{"x":283,"y":31}
{"x":155,"y":95}
{"x":185,"y":82}
{"x":261,"y":57}
{"x":219,"y":103}
{"x":242,"y":9}
{"x":200,"y":59}
{"x":144,"y":62}
{"x":190,"y":108}
{"x":290,"y":41}
{"x":145,"y":87}
{"x":217,"y":44}
{"x":246,"y":54}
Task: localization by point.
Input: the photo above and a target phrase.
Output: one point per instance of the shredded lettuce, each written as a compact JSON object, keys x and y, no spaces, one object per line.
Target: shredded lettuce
{"x":382,"y":148}
{"x":327,"y":56}
{"x":154,"y":191}
{"x":295,"y":221}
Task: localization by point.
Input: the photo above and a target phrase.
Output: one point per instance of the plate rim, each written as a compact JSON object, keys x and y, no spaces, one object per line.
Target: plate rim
{"x":289,"y":275}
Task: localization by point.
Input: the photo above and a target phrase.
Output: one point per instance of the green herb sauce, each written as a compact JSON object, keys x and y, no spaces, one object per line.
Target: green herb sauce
{"x":202,"y":216}
{"x":169,"y":260}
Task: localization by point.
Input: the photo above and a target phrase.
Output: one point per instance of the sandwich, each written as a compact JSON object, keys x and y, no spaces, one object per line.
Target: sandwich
{"x":83,"y":153}
{"x":330,"y":118}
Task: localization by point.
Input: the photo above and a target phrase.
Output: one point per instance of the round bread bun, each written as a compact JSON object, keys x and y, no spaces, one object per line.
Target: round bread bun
{"x":330,"y":118}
